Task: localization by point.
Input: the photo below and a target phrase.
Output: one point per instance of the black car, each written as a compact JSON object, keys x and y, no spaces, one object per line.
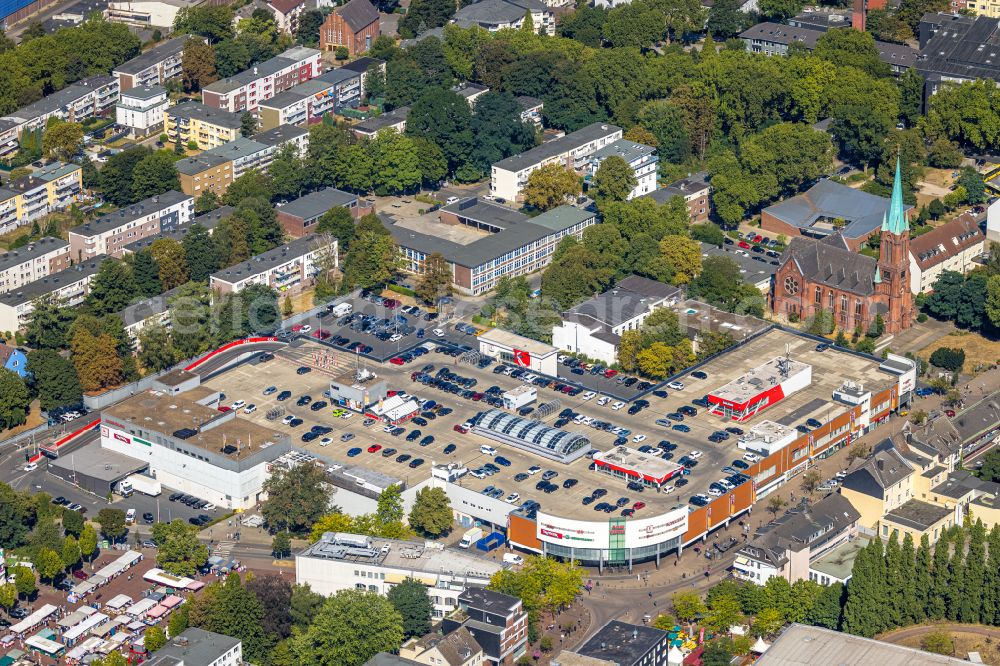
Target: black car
{"x":521,"y":476}
{"x":388,"y":452}
{"x":734,"y":430}
{"x":600,"y":492}
{"x":402,"y":458}
{"x":174,"y":497}
{"x":304,"y":400}
{"x":636,"y":486}
{"x":419,"y":421}
{"x":318,"y":405}
{"x":569,"y":483}
{"x":661,"y":394}
{"x":284,"y":395}
{"x":681,"y":482}
{"x":148,"y":517}
{"x":813,"y":423}
{"x":295,"y":423}
{"x":588,"y":500}
{"x":416,"y":462}
{"x":309,"y":436}
{"x":698,"y":374}
{"x":61,"y":501}
{"x":413,"y":436}
{"x":20,"y":612}
{"x":303,"y":370}
{"x":449,"y":449}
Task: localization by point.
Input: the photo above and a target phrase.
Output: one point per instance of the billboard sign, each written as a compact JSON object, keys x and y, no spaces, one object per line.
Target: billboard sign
{"x":522,"y":358}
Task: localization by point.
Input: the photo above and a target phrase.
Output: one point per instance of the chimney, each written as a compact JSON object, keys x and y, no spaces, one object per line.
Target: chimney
{"x":880,"y":464}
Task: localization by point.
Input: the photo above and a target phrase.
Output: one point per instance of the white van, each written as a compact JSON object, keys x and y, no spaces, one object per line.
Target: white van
{"x":130,"y":516}
{"x":487,"y":450}
{"x":512,"y":558}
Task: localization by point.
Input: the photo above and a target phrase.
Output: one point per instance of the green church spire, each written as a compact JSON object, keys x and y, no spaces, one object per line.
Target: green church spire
{"x":896,"y":222}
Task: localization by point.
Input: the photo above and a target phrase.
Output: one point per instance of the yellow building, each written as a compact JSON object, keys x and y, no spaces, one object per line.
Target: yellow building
{"x":205,"y":172}
{"x":987,"y":509}
{"x":918,"y":518}
{"x":207,"y":127}
{"x":53,"y":187}
{"x":882,"y":483}
{"x":988,"y":8}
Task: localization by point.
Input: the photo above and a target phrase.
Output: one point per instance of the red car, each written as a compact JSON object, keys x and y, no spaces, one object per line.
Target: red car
{"x":391,"y":303}
{"x":460,"y":428}
{"x":321,"y":334}
{"x":758,"y":238}
{"x":395,"y":360}
{"x":950,"y":412}
{"x":745,"y":245}
{"x":374,"y":447}
{"x":225,"y":408}
{"x":638,"y":505}
{"x":609,"y":373}
{"x":81,"y":574}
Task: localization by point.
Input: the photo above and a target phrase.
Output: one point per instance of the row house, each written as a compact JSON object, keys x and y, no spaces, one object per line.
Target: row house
{"x":108,"y":235}
{"x":154,"y":67}
{"x":286,"y":268}
{"x":573,"y":151}
{"x":497,"y":622}
{"x":246,"y":90}
{"x":954,"y":246}
{"x":141,"y":110}
{"x":32,"y":262}
{"x":695,"y":189}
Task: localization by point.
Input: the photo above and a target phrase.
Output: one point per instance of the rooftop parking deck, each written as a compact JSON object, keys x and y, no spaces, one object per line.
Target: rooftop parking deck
{"x":830,"y":369}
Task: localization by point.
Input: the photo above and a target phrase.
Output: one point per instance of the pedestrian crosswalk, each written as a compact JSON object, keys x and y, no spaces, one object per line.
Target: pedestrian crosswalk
{"x":223,"y":548}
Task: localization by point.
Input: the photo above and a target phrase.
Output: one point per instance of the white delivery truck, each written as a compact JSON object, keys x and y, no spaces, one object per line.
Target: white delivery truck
{"x":512,"y":558}
{"x":341,"y":309}
{"x":470,"y":537}
{"x":145,"y":484}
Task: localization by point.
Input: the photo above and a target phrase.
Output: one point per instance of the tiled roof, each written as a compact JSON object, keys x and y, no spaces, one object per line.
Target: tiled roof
{"x":946,"y":241}
{"x":830,"y":262}
{"x":358,"y":14}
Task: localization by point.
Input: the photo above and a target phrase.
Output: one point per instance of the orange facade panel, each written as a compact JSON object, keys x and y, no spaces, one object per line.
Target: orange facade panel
{"x":522,"y":531}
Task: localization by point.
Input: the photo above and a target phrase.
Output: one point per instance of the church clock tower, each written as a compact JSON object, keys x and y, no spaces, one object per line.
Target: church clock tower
{"x":892,"y":280}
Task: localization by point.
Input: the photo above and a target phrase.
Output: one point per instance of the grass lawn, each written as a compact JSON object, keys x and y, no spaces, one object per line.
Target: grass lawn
{"x":34,"y":420}
{"x":301,"y":301}
{"x":979,"y":351}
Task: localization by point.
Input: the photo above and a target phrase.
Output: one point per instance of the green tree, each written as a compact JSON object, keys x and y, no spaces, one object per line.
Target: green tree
{"x":215,"y":23}
{"x":8,"y":596}
{"x":443,"y":117}
{"x":826,"y":611}
{"x":975,"y":188}
{"x":779,"y":10}
{"x":865,"y":608}
{"x":687,"y":604}
{"x":154,"y":638}
{"x":717,"y":653}
{"x":48,"y":564}
{"x":178,"y":621}
{"x":228,"y":607}
{"x":48,"y":323}
{"x":726,"y":20}
{"x":88,"y":542}
{"x":498,"y":130}
{"x":550,"y":186}
{"x":281,"y":544}
{"x":70,"y":552}
{"x":339,"y":223}
{"x":436,"y":279}
{"x":112,"y":522}
{"x":373,"y":257}
{"x":168,"y":254}
{"x":288,"y":173}
{"x":248,"y":124}
{"x":414,"y":605}
{"x":198,"y":65}
{"x":111,"y":289}
{"x":296,"y":498}
{"x":431,"y":512}
{"x":768,"y":622}
{"x":146,"y":274}
{"x":72,"y":523}
{"x":62,"y":140}
{"x":200,"y":255}
{"x":396,"y":163}
{"x":683,"y":255}
{"x":24,"y":581}
{"x":350,"y":628}
{"x":724,"y":612}
{"x":851,"y":48}
{"x":251,"y":185}
{"x":178,"y":549}
{"x":154,"y":174}
{"x":424,"y":15}
{"x":614,"y":180}
{"x":14,"y":399}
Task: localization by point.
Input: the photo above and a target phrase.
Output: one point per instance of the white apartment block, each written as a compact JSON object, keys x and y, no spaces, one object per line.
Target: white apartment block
{"x":954,"y":246}
{"x":197,"y":647}
{"x":509,"y":176}
{"x":287,"y":267}
{"x":246,"y":90}
{"x":111,"y":233}
{"x":141,"y":109}
{"x":70,"y":286}
{"x":641,"y":159}
{"x":32,"y":262}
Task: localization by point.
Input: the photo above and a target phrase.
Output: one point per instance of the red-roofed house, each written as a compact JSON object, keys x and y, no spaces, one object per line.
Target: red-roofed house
{"x":951,"y":247}
{"x":287,"y":13}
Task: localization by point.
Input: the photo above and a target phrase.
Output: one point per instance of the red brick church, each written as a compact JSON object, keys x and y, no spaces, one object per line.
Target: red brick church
{"x":825,"y":274}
